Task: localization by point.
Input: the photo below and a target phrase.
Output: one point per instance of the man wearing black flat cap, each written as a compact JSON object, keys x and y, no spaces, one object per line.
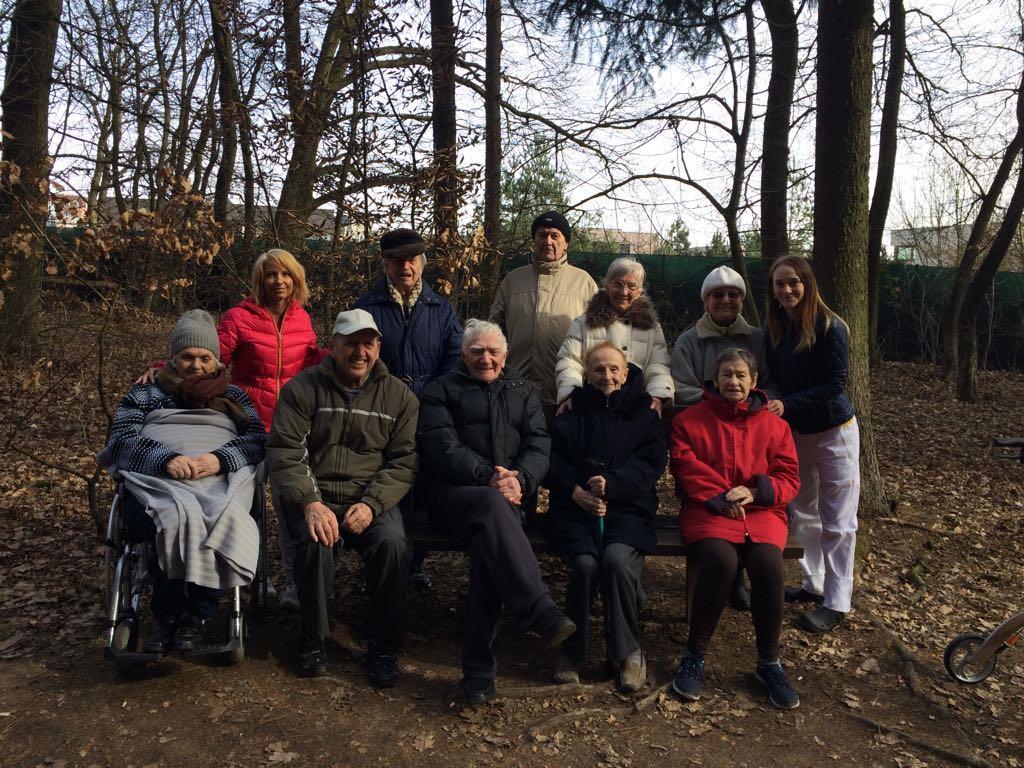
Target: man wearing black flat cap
{"x":535,"y":305}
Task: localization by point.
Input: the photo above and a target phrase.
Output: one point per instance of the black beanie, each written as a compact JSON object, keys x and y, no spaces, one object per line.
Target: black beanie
{"x":552,"y":219}
{"x":402,"y":244}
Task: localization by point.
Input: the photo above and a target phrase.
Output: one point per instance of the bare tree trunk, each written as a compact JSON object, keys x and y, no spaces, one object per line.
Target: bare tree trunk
{"x":886,"y":164}
{"x":229,"y":98}
{"x":962,"y":278}
{"x":442,"y":60}
{"x":842,"y":153}
{"x":967,"y":326}
{"x":24,"y":204}
{"x":492,"y":133}
{"x":781,"y":19}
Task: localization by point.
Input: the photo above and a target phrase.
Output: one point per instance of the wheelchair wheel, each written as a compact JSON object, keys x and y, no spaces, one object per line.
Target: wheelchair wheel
{"x":957,"y":659}
{"x":236,"y":628}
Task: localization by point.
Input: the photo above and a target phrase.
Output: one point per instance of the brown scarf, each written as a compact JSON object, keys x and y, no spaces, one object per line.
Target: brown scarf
{"x":203,"y":391}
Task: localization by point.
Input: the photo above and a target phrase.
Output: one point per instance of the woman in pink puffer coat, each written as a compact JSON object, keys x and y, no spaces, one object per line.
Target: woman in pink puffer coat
{"x":267,"y":339}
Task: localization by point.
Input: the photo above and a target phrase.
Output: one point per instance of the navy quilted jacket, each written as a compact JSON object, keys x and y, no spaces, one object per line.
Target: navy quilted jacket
{"x":421,"y":347}
{"x":812,"y":380}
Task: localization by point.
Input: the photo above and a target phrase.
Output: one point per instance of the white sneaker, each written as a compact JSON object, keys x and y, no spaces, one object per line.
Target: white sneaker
{"x":289,"y":599}
{"x":633,"y":672}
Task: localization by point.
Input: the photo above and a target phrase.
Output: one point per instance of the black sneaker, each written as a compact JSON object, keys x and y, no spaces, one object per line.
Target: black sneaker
{"x":689,"y":678}
{"x":780,"y":692}
{"x":312,"y":660}
{"x":553,"y":627}
{"x":188,"y":636}
{"x":159,"y":638}
{"x":420,"y":579}
{"x":477,"y":690}
{"x":382,"y":669}
{"x":801,"y":595}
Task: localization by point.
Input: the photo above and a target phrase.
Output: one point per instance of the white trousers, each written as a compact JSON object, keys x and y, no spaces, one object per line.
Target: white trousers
{"x":824,"y":514}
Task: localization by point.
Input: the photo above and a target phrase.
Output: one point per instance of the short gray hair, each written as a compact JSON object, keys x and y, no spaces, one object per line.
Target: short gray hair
{"x":625,"y":266}
{"x":476,"y":328}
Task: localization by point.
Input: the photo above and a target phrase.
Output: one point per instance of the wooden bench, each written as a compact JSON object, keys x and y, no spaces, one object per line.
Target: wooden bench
{"x":670,"y":544}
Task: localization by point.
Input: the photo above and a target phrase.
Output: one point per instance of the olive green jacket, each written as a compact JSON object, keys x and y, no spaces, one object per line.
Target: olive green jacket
{"x":325,"y":446}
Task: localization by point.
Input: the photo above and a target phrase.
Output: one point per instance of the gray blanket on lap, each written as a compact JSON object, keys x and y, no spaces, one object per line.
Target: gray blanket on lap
{"x":205,"y":534}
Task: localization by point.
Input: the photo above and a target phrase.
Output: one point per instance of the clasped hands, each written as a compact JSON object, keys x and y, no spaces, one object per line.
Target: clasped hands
{"x":592,"y":499}
{"x":738,"y":498}
{"x":323,"y":523}
{"x":506,"y":482}
{"x":193,"y":467}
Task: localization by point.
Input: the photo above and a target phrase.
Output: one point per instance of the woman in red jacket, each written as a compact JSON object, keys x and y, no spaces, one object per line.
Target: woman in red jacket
{"x":267,"y":339}
{"x":735,"y":469}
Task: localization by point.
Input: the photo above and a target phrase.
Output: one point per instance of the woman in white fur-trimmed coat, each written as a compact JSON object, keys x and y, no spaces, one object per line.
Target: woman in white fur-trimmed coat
{"x":625,"y":316}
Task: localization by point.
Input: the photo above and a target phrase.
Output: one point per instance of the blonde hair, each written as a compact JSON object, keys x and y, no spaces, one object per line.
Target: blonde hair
{"x":301,"y":290}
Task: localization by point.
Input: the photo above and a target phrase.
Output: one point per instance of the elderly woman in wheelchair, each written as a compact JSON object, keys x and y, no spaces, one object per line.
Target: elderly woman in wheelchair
{"x":186,"y":450}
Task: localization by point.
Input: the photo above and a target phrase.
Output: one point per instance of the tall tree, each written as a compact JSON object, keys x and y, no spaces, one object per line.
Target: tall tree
{"x":979,"y":233}
{"x":981,"y":283}
{"x":230,"y":105}
{"x":24,"y":194}
{"x":492,"y":130}
{"x":842,"y":154}
{"x":887,"y":142}
{"x":781,"y":18}
{"x":446,"y":183}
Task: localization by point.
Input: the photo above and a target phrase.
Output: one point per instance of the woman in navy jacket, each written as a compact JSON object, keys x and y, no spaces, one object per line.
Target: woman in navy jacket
{"x":807,"y":347}
{"x":607,"y":454}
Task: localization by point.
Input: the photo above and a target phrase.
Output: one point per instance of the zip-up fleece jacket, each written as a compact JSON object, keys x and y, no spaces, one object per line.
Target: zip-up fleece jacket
{"x":263,"y":358}
{"x":534,"y":307}
{"x":327,"y":446}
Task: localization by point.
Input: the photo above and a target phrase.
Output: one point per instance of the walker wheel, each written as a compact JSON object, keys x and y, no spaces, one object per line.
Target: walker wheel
{"x":125,"y":634}
{"x":959,"y":663}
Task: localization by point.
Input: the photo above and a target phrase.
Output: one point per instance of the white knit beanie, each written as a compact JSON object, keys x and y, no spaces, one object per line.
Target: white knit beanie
{"x":722,"y":277}
{"x":195,"y":328}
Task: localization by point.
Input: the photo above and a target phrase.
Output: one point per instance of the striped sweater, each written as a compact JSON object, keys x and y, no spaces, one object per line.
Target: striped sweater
{"x":130,"y":451}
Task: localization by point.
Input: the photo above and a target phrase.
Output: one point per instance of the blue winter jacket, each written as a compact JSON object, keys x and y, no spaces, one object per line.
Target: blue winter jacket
{"x":421,"y":347}
{"x":812,"y":380}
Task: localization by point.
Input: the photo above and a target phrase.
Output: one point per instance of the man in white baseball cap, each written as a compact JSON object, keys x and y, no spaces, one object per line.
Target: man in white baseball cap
{"x":342,"y":450}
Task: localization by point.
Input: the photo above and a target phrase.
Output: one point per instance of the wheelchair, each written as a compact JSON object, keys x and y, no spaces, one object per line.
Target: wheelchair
{"x":126,"y":576}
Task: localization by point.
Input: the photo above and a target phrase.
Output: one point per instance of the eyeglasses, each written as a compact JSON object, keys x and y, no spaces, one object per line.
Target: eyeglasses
{"x":719,"y":294}
{"x":630,"y":287}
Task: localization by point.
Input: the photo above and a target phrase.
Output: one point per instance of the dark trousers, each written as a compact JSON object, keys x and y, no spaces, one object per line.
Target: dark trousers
{"x":173,"y":599}
{"x":718,"y":562}
{"x":386,"y":556}
{"x":503,"y":571}
{"x":617,"y":575}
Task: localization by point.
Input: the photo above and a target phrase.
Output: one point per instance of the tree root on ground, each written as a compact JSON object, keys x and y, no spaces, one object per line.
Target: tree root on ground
{"x":915,"y":526}
{"x":552,"y":691}
{"x":638,"y":706}
{"x":911,"y":664}
{"x":946,"y":754}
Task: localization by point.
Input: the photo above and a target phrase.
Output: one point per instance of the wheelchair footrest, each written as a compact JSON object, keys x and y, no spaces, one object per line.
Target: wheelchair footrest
{"x":132,"y":657}
{"x":211,"y":650}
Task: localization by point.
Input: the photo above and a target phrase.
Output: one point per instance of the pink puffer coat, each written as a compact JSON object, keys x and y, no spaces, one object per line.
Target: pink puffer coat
{"x":263,"y":358}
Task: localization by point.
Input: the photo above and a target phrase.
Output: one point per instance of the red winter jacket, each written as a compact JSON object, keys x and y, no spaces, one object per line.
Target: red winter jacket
{"x":263,"y":358}
{"x":715,"y":446}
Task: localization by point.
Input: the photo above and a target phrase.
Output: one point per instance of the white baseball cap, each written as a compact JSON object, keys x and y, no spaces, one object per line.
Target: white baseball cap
{"x":353,"y":321}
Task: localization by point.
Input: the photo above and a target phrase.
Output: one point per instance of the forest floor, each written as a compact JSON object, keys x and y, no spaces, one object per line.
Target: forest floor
{"x":945,"y":560}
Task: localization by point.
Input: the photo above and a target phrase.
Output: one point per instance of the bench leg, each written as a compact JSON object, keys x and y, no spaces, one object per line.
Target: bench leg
{"x":692,"y":570}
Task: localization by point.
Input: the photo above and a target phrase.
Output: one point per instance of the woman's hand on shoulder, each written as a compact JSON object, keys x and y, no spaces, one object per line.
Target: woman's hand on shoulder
{"x":657,"y":405}
{"x":776,"y":407}
{"x":149,"y":376}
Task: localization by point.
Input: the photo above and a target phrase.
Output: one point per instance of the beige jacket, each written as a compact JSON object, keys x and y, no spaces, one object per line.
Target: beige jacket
{"x":637,"y":333}
{"x":534,"y":307}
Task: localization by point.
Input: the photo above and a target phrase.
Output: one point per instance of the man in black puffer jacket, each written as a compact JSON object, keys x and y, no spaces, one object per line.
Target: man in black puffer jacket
{"x":607,"y":454}
{"x":484,"y":448}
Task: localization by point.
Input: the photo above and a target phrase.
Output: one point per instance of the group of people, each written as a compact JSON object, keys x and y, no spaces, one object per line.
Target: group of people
{"x":565,"y":386}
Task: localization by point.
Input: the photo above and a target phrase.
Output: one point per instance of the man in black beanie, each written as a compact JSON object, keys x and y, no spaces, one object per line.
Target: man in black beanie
{"x":535,"y":305}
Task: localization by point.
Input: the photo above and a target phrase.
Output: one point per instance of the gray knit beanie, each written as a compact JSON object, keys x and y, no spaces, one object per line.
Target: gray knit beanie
{"x":195,"y":328}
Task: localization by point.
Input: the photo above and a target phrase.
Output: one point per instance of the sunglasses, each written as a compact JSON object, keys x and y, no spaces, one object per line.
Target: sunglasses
{"x":718,"y":295}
